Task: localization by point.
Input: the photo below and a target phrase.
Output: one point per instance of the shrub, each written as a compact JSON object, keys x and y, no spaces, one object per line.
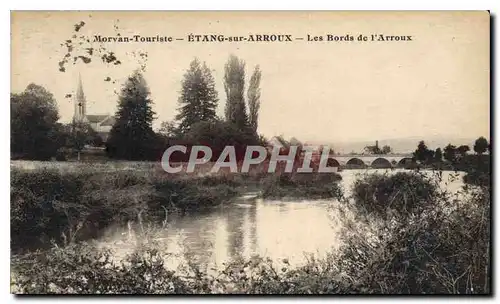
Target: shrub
{"x":82,"y":269}
{"x":69,"y":206}
{"x":478,"y":168}
{"x":302,"y":186}
{"x":399,"y":194}
{"x":442,"y":250}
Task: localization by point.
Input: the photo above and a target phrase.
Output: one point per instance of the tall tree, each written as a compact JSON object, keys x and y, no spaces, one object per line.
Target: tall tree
{"x":481,"y":145}
{"x":198,"y":98}
{"x":438,"y":155}
{"x":450,"y":153}
{"x":35,"y":133}
{"x":253,"y":96}
{"x":132,"y":136}
{"x":234,"y":85}
{"x":423,"y":154}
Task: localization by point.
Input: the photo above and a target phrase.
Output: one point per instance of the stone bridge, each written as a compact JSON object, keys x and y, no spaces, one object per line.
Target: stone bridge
{"x":375,"y":161}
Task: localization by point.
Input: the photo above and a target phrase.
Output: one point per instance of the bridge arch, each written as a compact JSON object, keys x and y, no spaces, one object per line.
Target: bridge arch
{"x":332,"y":162}
{"x":355,"y":163}
{"x":405,"y":161}
{"x":381,"y":163}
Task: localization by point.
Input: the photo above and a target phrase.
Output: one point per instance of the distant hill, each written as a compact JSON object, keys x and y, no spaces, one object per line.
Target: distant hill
{"x":399,"y":145}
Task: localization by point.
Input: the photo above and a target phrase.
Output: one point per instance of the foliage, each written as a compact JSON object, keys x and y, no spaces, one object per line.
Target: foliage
{"x":45,"y":204}
{"x":462,"y":150}
{"x":35,"y":133}
{"x":302,"y":186}
{"x":263,"y":141}
{"x":450,"y":153}
{"x":481,"y":145}
{"x":234,"y":85}
{"x":253,"y":95}
{"x":198,"y":98}
{"x":80,"y":134}
{"x":83,"y":269}
{"x":478,"y":168}
{"x":438,"y":155}
{"x":392,"y":195}
{"x":219,"y":134}
{"x":132,"y":136}
{"x":423,"y":154}
{"x":169,"y":129}
{"x":386,"y":149}
{"x":441,"y":248}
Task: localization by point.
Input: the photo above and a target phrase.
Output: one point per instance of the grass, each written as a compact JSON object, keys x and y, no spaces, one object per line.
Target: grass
{"x":302,"y":186}
{"x":68,"y":206}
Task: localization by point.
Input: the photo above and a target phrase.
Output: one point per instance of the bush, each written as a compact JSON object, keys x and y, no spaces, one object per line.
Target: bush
{"x":442,"y":250}
{"x":478,"y":178}
{"x":302,"y":186}
{"x":83,"y":269}
{"x":69,"y":206}
{"x":478,"y":168}
{"x":399,"y":194}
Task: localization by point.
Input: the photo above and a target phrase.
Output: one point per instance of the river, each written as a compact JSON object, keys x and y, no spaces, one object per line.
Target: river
{"x":274,"y":229}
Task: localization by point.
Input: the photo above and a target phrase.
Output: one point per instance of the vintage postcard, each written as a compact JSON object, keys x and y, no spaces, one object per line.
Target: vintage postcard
{"x":162,"y":152}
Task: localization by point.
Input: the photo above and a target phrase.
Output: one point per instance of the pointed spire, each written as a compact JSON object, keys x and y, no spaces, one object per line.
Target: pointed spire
{"x":79,"y":92}
{"x":80,"y":102}
{"x":80,"y":98}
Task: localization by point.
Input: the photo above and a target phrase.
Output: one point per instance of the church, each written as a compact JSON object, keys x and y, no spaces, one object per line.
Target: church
{"x":101,"y":123}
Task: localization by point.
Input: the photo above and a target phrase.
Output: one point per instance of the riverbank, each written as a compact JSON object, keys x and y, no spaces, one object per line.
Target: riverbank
{"x":50,"y":205}
{"x":66,"y":205}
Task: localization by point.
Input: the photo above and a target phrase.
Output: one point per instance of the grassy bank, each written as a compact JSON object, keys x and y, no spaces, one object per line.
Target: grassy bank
{"x":302,"y":186}
{"x":69,"y":204}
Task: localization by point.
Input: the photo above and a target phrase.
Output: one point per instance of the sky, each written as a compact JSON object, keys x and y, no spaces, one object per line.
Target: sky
{"x":435,"y":85}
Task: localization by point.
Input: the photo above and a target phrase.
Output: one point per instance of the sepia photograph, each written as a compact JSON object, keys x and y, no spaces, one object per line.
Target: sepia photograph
{"x":250,"y":152}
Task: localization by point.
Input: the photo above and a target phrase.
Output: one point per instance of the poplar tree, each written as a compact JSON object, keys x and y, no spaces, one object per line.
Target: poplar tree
{"x":234,"y":85}
{"x":253,"y":96}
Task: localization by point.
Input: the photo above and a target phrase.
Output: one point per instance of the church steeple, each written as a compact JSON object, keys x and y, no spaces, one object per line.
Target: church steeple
{"x":80,"y":102}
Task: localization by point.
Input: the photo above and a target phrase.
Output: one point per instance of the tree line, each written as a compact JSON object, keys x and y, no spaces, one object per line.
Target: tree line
{"x":37,"y":134}
{"x":451,"y":153}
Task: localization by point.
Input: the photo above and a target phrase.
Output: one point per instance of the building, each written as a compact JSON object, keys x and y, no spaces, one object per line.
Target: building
{"x":101,"y":123}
